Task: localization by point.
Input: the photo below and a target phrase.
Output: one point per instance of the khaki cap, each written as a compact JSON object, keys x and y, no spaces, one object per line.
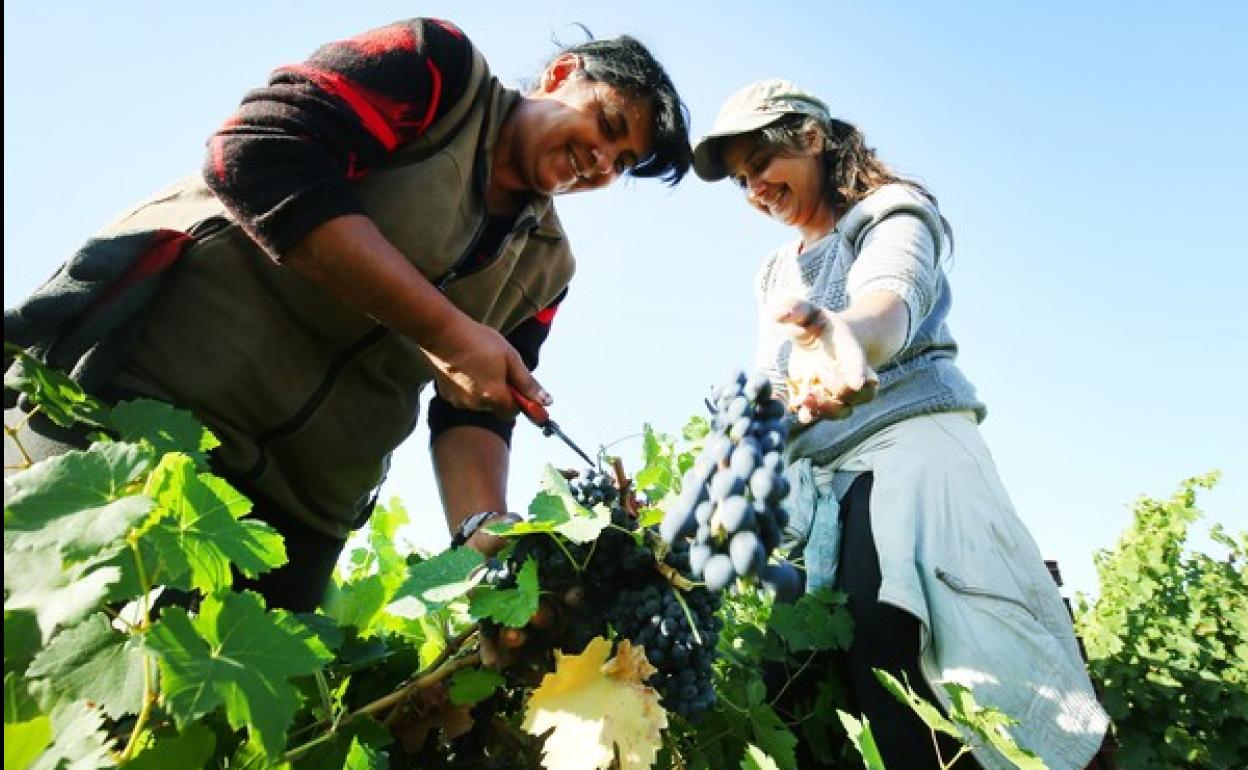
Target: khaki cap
{"x":753,"y":107}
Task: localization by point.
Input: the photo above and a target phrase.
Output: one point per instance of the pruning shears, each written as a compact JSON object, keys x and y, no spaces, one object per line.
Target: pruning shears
{"x":538,"y":415}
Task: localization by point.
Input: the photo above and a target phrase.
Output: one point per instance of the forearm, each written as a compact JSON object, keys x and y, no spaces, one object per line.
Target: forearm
{"x":471,"y":465}
{"x":350,"y":258}
{"x":879,"y":321}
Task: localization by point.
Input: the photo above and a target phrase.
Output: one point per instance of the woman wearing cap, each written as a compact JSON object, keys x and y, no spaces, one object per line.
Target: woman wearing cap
{"x":896,"y":499}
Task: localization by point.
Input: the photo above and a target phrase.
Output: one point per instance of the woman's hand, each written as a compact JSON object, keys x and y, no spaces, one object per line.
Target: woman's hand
{"x":828,"y":370}
{"x":474,"y":364}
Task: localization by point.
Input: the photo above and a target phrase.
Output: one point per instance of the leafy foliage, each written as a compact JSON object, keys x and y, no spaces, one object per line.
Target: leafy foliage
{"x":398,"y":670}
{"x":1167,"y":639}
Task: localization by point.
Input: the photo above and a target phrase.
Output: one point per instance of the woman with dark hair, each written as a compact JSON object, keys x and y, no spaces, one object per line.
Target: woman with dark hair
{"x":896,"y":499}
{"x":373,"y":220}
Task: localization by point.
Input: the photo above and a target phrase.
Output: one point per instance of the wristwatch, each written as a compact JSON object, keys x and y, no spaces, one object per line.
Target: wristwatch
{"x":469,"y":526}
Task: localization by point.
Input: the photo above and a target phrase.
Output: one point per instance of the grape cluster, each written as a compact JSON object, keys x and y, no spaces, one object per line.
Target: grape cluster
{"x":620,"y":587}
{"x":730,"y":499}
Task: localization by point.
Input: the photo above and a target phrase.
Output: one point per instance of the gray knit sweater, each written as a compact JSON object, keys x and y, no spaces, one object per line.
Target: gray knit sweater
{"x":892,"y":240}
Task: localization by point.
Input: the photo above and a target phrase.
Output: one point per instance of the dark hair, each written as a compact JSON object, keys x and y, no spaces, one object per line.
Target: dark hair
{"x":853,"y":169}
{"x":626,"y":65}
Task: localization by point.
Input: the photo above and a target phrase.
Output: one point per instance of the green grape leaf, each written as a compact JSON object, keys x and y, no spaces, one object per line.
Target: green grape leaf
{"x":189,"y":750}
{"x":94,"y":662}
{"x":470,"y":686}
{"x":23,"y":741}
{"x":556,"y":510}
{"x":930,"y":715}
{"x":656,"y":476}
{"x":79,"y":502}
{"x":79,"y":742}
{"x":234,"y":654}
{"x":58,"y":397}
{"x":508,"y":606}
{"x":756,"y":759}
{"x":990,"y":724}
{"x":58,"y":594}
{"x":357,"y":602}
{"x":203,"y":534}
{"x":863,"y":739}
{"x":435,"y":582}
{"x":365,"y":757}
{"x":774,"y":737}
{"x":167,"y":429}
{"x":21,"y":638}
{"x":696,"y":429}
{"x":384,"y":527}
{"x":817,"y":621}
{"x":19,"y":704}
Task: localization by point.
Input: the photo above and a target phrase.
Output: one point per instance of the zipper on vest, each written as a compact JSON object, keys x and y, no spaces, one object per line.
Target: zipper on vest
{"x":457,"y":271}
{"x":960,"y":586}
{"x":314,"y":401}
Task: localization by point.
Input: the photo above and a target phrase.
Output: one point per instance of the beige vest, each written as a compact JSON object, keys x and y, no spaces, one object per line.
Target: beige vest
{"x":308,"y":396}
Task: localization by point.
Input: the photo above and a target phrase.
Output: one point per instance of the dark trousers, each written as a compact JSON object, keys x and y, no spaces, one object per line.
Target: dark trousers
{"x":887,"y":638}
{"x":297,"y":586}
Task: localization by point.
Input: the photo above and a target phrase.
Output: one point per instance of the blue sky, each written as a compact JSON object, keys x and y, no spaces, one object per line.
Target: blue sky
{"x":1089,"y":156}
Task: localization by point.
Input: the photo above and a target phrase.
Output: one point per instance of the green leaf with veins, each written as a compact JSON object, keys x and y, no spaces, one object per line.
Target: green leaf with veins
{"x":818,"y":621}
{"x":774,"y":737}
{"x":19,"y":704}
{"x":21,"y":638}
{"x":58,"y":397}
{"x":991,"y":725}
{"x":78,"y":502}
{"x":364,"y":757}
{"x":202,"y":533}
{"x":234,"y":654}
{"x":79,"y":744}
{"x":756,"y":759}
{"x":58,"y":594}
{"x":929,"y":713}
{"x":470,"y":686}
{"x":434,"y":582}
{"x":508,"y":606}
{"x":863,"y":739}
{"x":166,"y":428}
{"x":188,"y":750}
{"x":93,"y":661}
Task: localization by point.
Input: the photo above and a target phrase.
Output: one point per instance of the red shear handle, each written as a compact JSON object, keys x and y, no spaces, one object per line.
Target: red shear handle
{"x":532,"y":409}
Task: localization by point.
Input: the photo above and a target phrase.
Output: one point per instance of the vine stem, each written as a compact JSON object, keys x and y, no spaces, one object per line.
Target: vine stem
{"x":689,"y":617}
{"x":149,"y":696}
{"x":12,"y":431}
{"x":381,"y":703}
{"x":145,"y":712}
{"x":793,"y":678}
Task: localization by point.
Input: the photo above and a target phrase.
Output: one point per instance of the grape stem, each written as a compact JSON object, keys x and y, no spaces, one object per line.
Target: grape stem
{"x":689,"y":617}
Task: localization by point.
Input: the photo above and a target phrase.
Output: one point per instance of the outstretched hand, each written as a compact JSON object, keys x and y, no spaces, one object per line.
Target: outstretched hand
{"x":828,"y":370}
{"x":474,"y":365}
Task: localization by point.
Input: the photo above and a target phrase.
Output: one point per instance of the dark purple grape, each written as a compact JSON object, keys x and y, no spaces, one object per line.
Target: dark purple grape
{"x":783,"y":580}
{"x":746,"y":552}
{"x":718,"y":572}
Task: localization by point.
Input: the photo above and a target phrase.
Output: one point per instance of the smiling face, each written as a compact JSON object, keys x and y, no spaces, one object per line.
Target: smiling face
{"x":786,"y":185}
{"x":573,"y":134}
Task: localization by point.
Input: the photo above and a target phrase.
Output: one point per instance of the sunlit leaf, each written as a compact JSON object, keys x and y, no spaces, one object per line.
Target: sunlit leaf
{"x":596,"y":709}
{"x":234,"y":654}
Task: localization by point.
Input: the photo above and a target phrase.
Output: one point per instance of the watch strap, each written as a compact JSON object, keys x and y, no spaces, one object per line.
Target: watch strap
{"x":469,"y":526}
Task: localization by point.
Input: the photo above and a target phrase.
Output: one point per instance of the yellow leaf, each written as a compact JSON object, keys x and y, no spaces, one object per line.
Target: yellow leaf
{"x":597,"y":707}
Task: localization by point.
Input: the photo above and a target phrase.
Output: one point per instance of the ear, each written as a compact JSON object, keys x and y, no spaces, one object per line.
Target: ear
{"x":814,"y":138}
{"x":562,"y":67}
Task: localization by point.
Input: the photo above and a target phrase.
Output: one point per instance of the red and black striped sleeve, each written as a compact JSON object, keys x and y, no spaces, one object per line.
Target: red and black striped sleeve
{"x":527,"y":339}
{"x":284,"y":162}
